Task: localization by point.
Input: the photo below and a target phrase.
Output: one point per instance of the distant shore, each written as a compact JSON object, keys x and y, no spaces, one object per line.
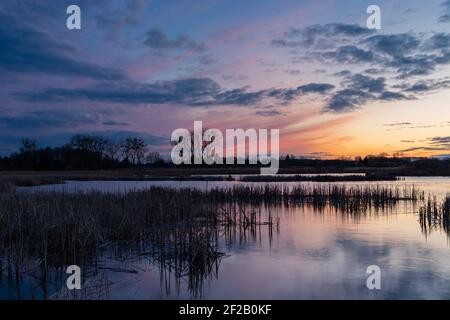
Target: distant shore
{"x":35,"y":178}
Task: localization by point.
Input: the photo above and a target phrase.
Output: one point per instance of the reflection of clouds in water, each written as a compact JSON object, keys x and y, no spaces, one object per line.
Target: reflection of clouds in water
{"x":333,"y":269}
{"x":407,"y":271}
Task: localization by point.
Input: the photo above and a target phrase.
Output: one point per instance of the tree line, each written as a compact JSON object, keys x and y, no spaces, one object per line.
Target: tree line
{"x":83,"y":152}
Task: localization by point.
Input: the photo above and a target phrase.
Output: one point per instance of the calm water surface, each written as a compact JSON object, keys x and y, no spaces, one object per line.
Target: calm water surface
{"x":313,"y":255}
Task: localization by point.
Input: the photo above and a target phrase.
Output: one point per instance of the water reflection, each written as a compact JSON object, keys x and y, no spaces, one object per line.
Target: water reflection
{"x":314,"y":254}
{"x":310,"y":251}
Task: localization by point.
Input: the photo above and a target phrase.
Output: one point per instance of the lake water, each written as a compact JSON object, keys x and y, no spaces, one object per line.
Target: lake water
{"x":314,"y":254}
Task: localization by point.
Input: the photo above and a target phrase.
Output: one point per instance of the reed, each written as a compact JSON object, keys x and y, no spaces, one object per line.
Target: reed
{"x":434,"y":215}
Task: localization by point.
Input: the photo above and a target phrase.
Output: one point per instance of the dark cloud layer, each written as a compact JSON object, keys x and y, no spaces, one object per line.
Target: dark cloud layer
{"x":157,"y":39}
{"x":407,"y":54}
{"x":397,"y":57}
{"x":359,"y":89}
{"x":48,"y":118}
{"x":349,"y":54}
{"x":317,"y":35}
{"x":26,"y":50}
{"x":191,"y":92}
{"x":187,"y":91}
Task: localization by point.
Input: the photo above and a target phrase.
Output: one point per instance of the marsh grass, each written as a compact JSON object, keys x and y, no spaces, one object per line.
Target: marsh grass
{"x":435,"y":215}
{"x":353,"y":199}
{"x":178,"y":230}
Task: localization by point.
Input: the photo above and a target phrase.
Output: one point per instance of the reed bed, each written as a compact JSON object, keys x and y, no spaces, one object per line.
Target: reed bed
{"x":353,"y":199}
{"x":179,"y":230}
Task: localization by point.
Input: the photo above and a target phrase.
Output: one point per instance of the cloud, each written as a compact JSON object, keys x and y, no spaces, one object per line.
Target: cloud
{"x":357,"y":90}
{"x":288,"y":95}
{"x":393,"y":45}
{"x":320,"y":88}
{"x":158,"y":39}
{"x":433,"y":144}
{"x":270,"y":113}
{"x":113,"y":22}
{"x":397,"y":124}
{"x":26,"y":50}
{"x":440,"y":41}
{"x":349,"y":55}
{"x":343,"y":73}
{"x":446,"y":16}
{"x":197,"y":92}
{"x":440,"y":140}
{"x":369,"y":84}
{"x":424,"y":86}
{"x":420,"y":86}
{"x":409,"y":125}
{"x":111,"y":122}
{"x":111,"y":17}
{"x":446,"y":4}
{"x":408,"y":54}
{"x":423,"y":149}
{"x":347,"y":100}
{"x":318,"y":36}
{"x":392,"y":96}
{"x":417,"y":65}
{"x":186,"y":91}
{"x":397,"y":56}
{"x":49,"y":118}
{"x":238,"y":96}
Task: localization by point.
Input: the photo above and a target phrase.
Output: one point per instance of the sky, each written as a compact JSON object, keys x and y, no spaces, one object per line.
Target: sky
{"x":312,"y":69}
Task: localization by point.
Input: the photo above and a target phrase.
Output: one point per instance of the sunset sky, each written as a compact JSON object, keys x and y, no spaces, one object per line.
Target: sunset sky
{"x":309,"y":68}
